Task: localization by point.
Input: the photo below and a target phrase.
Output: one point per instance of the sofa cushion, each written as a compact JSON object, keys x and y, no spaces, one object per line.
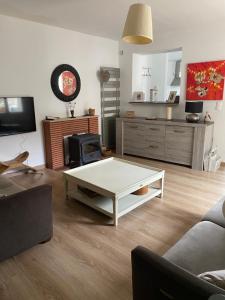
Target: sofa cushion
{"x":216,"y":213}
{"x":214,"y":277}
{"x":201,"y":249}
{"x":8,"y":187}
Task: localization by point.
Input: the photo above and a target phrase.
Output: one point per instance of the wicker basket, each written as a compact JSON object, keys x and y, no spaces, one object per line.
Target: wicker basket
{"x":142,"y":191}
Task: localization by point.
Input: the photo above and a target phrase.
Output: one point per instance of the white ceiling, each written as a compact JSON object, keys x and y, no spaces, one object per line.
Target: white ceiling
{"x":106,"y":17}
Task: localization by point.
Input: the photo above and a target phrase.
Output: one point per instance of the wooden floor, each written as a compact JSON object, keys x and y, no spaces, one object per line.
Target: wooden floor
{"x":90,"y":259}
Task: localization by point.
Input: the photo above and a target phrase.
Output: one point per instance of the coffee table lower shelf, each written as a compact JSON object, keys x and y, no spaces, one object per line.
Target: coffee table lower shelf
{"x":104,"y":204}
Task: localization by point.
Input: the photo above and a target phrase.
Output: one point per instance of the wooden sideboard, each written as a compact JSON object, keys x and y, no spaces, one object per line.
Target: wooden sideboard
{"x":54,"y":132}
{"x":174,"y":141}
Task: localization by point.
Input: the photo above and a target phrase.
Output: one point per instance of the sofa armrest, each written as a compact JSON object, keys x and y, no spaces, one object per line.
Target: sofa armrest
{"x":25,"y":220}
{"x":216,"y":213}
{"x":156,"y":278}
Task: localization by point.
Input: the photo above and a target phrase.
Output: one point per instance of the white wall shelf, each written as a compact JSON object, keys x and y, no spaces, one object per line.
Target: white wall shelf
{"x":153,"y":103}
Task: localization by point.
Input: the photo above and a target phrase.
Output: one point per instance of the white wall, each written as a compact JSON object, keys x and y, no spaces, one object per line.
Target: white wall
{"x":159,"y":73}
{"x":140,"y":82}
{"x":198,"y":45}
{"x":28,"y":54}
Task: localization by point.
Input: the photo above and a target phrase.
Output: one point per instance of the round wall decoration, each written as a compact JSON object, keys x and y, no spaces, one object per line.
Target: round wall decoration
{"x":65,"y":82}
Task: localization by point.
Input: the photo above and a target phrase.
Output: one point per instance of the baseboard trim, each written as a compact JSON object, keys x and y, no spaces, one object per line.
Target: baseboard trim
{"x":39,"y":167}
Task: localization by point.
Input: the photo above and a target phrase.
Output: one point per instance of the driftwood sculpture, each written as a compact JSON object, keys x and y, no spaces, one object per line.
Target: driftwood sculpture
{"x":17,"y":163}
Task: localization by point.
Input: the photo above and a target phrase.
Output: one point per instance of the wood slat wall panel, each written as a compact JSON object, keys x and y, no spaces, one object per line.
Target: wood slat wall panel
{"x":54,"y":131}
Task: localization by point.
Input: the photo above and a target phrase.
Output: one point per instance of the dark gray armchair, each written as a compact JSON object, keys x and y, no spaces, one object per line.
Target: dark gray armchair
{"x":156,"y":278}
{"x":217,"y":297}
{"x":175,"y":275}
{"x":25,"y":220}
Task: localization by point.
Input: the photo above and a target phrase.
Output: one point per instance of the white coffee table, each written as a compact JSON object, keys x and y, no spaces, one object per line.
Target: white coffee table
{"x":114,"y":180}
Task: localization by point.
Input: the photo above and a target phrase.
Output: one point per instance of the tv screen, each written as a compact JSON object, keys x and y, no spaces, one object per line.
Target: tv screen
{"x":16,"y":115}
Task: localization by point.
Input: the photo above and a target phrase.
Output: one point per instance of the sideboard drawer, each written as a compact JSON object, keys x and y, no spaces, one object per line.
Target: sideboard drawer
{"x":180,"y":157}
{"x":144,"y":148}
{"x":179,"y":138}
{"x":134,"y":130}
{"x":136,"y":152}
{"x":134,"y":126}
{"x":179,"y":132}
{"x":156,"y":149}
{"x":179,"y":144}
{"x":144,"y":131}
{"x":135,"y":142}
{"x":134,"y":136}
{"x":155,"y":130}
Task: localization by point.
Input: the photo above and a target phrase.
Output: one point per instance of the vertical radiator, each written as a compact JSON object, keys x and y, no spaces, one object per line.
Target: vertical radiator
{"x":110,"y":104}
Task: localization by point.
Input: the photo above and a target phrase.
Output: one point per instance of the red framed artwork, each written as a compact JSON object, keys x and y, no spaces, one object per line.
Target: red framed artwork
{"x":69,"y":83}
{"x":205,"y":81}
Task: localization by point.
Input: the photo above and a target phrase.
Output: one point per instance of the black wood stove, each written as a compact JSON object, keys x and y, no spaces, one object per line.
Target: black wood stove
{"x":84,"y":149}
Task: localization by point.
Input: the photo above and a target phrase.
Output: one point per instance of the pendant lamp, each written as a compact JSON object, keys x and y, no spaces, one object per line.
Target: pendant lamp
{"x":138,"y":26}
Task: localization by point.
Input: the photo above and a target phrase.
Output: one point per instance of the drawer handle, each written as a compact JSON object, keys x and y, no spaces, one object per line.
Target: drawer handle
{"x":153,"y":147}
{"x":154,"y":129}
{"x":134,"y":127}
{"x":179,"y":131}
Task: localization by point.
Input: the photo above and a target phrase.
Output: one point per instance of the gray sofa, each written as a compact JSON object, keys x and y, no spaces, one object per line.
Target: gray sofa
{"x":25,"y":217}
{"x":174,"y":276}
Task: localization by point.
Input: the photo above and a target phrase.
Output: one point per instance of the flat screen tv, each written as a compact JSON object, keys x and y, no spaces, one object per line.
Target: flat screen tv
{"x":16,"y":115}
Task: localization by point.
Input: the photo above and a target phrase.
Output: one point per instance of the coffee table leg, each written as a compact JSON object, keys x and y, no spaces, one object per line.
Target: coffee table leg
{"x":66,"y":184}
{"x":161,"y":187}
{"x":115,"y":211}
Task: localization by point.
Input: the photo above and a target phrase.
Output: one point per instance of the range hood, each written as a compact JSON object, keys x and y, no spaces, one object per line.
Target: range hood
{"x":176,"y":80}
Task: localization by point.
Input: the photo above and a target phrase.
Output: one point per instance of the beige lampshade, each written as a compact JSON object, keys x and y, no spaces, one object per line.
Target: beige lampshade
{"x":138,"y":26}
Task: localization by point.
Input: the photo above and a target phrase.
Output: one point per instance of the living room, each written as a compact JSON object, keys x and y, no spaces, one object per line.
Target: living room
{"x":160,"y":234}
